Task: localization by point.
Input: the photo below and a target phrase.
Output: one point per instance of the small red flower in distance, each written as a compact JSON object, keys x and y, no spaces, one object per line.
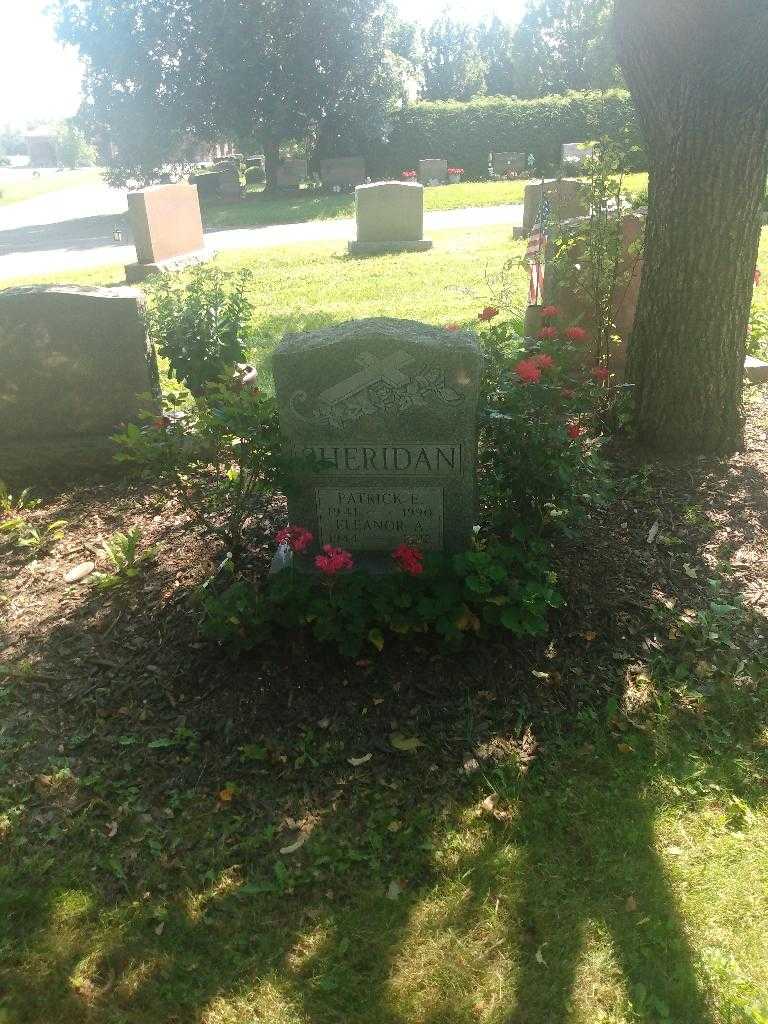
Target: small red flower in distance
{"x":528,"y":371}
{"x":567,"y":392}
{"x":161,"y":423}
{"x":550,"y":311}
{"x":296,"y":537}
{"x":577,"y":334}
{"x":452,"y":327}
{"x":547,"y":333}
{"x":408,"y":174}
{"x":488,"y":313}
{"x":544,"y":362}
{"x":409,"y":559}
{"x":333,"y":560}
{"x":574,"y":431}
{"x":601,"y":373}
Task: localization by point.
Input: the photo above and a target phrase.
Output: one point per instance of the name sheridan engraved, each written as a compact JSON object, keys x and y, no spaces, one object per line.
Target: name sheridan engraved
{"x":380,"y":459}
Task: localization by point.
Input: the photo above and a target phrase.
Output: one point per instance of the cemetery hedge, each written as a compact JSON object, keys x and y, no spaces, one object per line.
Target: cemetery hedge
{"x":466,"y":133}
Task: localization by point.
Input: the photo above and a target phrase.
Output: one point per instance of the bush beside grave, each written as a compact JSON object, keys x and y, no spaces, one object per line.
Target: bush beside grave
{"x":466,"y":133}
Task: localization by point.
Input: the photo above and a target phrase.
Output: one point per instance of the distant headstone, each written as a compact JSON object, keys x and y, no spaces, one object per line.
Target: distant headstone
{"x":433,"y":172}
{"x":390,"y":218}
{"x":563,"y":199}
{"x":503,"y":164}
{"x":73,"y":363}
{"x":167,"y":229}
{"x":575,"y":153}
{"x":384,"y":413}
{"x":230,"y":187}
{"x":342,"y":171}
{"x":292,"y":172}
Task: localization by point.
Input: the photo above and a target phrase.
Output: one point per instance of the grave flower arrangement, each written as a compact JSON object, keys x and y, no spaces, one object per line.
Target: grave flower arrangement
{"x":454,"y":174}
{"x":409,"y":175}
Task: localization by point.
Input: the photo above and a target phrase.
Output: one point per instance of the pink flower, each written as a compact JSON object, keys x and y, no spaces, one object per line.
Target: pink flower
{"x":488,"y":313}
{"x":296,"y":537}
{"x":574,"y":431}
{"x":550,"y":311}
{"x":408,"y":174}
{"x":409,"y":559}
{"x":577,"y":334}
{"x":452,"y":327}
{"x":333,"y":560}
{"x":544,"y":362}
{"x":547,"y":333}
{"x":528,"y":371}
{"x":601,"y":373}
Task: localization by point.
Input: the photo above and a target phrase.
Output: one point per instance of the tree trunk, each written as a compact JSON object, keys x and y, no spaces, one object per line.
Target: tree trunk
{"x":702,"y":98}
{"x":271,"y":163}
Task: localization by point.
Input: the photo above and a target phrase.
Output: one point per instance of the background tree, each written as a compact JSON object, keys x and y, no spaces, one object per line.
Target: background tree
{"x":270,"y":70}
{"x":496,"y":45}
{"x":452,"y":65}
{"x":565,"y":45}
{"x":699,"y":79}
{"x":73,"y":148}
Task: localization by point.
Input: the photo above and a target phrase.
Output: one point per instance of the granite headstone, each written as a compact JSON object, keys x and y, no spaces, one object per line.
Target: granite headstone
{"x":381,"y":418}
{"x":390,"y":218}
{"x":433,"y":171}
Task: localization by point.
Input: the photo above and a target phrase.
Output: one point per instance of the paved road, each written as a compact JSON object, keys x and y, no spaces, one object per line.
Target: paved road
{"x":73,"y":230}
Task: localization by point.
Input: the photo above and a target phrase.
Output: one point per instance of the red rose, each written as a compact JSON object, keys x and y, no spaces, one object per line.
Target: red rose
{"x":550,"y":311}
{"x":544,"y":362}
{"x":333,"y":560}
{"x":574,"y":431}
{"x":488,"y":313}
{"x":601,"y":373}
{"x":577,"y":334}
{"x":296,"y":537}
{"x":528,"y":371}
{"x":547,"y":333}
{"x":409,"y":559}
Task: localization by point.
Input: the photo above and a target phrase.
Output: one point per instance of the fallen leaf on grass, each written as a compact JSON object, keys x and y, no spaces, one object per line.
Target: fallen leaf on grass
{"x":690,"y":571}
{"x":489,"y":804}
{"x":159,"y":929}
{"x":357,"y":761}
{"x":395,"y":889}
{"x":540,"y":957}
{"x":589,"y":636}
{"x":394,"y":826}
{"x":407,"y":743}
{"x":652,"y":533}
{"x":111,"y":830}
{"x":297,"y":845}
{"x":624,"y":748}
{"x":225,"y":795}
{"x":631,"y":904}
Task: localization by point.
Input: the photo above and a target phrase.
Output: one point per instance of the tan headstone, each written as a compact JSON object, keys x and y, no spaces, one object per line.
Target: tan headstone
{"x":566,"y":198}
{"x":390,"y":218}
{"x":292,"y":172}
{"x":342,"y":171}
{"x":166,"y":225}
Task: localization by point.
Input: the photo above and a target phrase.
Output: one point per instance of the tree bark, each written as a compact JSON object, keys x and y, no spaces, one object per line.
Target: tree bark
{"x":700,"y":86}
{"x":271,"y":163}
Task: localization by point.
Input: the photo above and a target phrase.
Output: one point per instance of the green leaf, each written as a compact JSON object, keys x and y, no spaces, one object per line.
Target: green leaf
{"x":376,"y":637}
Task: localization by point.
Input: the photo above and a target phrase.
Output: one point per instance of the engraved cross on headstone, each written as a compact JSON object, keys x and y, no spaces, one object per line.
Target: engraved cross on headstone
{"x":374,"y":370}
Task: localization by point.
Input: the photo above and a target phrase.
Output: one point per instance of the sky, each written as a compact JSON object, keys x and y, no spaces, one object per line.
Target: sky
{"x":40,"y":79}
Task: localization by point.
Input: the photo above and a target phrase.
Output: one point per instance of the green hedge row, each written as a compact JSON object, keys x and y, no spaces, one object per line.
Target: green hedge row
{"x":465,"y":133}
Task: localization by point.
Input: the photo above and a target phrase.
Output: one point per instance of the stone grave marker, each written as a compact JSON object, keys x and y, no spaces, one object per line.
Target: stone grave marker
{"x":384,"y":413}
{"x":73,"y":363}
{"x":508,"y":163}
{"x":433,"y":172}
{"x":565,"y":198}
{"x":575,"y":153}
{"x":390,"y":218}
{"x":292,"y":172}
{"x":342,"y":171}
{"x":167,"y":229}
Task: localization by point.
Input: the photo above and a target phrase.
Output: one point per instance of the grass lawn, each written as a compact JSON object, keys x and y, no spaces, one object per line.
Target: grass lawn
{"x":16,"y":186}
{"x":260,"y":210}
{"x":577,"y":835}
{"x":310,"y":285}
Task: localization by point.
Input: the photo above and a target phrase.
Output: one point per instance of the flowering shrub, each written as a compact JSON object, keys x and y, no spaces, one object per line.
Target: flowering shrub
{"x":218,"y":458}
{"x":409,"y":175}
{"x":495,"y":587}
{"x":455,"y":172}
{"x":541,"y":397}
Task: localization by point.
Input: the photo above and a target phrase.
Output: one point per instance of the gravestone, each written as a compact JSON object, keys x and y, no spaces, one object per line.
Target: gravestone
{"x":390,"y":218}
{"x":384,"y":413}
{"x":565,"y":198}
{"x":508,"y":163}
{"x":575,"y":153}
{"x":230,"y":187}
{"x":342,"y":171}
{"x":292,"y":172}
{"x":433,"y":171}
{"x":167,"y":229}
{"x":73,"y":363}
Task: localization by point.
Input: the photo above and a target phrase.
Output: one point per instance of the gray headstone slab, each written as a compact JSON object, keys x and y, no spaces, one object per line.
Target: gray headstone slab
{"x":382,"y":415}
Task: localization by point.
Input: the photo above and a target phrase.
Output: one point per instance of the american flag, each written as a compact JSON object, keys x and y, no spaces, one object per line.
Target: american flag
{"x":537,"y":245}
